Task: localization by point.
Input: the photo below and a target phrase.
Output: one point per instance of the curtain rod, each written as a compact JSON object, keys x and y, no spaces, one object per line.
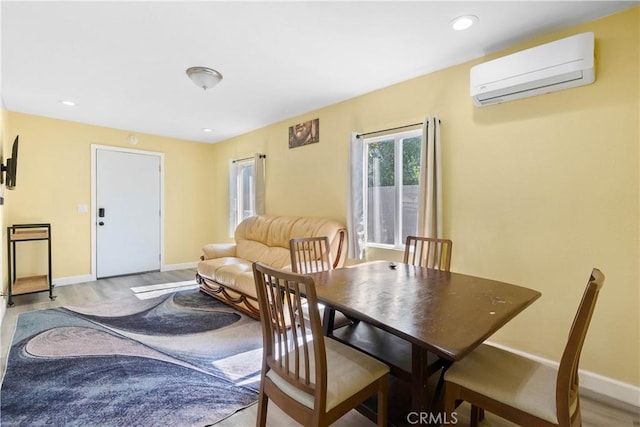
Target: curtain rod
{"x":386,"y":130}
{"x":262,"y":156}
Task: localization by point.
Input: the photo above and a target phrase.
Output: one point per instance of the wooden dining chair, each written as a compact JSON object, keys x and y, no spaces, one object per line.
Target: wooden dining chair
{"x":311,"y":255}
{"x":315,"y":380}
{"x":519,"y":389}
{"x":428,"y":252}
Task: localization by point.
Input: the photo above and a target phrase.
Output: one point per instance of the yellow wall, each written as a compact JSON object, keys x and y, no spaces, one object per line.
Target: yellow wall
{"x":54,"y":176}
{"x":536,"y":191}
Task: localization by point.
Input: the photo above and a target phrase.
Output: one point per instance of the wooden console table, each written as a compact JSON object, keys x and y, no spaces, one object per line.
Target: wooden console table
{"x":32,"y":284}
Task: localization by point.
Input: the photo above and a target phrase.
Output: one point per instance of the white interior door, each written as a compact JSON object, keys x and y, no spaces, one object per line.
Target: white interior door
{"x":128,"y":194}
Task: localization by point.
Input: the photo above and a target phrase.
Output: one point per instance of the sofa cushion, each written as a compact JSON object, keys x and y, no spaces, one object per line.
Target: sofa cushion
{"x":274,"y":256}
{"x":209,"y":268}
{"x":251,"y":250}
{"x":233,"y":273}
{"x":226,"y":271}
{"x":266,"y":238}
{"x":246,"y":284}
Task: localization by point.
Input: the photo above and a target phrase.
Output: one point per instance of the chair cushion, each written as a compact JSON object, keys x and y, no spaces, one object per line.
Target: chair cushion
{"x":348,"y":371}
{"x":508,"y":378}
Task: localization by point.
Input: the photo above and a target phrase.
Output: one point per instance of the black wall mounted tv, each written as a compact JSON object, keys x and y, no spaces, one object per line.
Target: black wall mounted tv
{"x":11,"y":168}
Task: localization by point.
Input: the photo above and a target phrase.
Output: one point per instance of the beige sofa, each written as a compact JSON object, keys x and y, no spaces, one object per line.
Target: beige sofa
{"x":225,"y":270}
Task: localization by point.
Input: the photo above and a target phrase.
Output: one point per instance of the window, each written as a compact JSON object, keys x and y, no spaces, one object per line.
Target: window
{"x":246,"y":189}
{"x":391,"y":188}
{"x":245,"y":199}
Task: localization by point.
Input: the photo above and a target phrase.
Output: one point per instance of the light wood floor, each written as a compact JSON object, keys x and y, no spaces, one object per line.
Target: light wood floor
{"x":597,"y":411}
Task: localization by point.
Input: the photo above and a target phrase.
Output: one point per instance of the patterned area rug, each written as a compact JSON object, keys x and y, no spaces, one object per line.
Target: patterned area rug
{"x":181,"y":359}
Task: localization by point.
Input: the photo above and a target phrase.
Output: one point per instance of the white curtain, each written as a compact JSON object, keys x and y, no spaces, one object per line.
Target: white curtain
{"x":430,"y":196}
{"x":257,"y":190}
{"x":233,"y":197}
{"x":259,"y":183}
{"x":355,"y":195}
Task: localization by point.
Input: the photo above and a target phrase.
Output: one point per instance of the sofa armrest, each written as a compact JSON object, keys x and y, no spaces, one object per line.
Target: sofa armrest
{"x":218,"y":250}
{"x":341,"y":253}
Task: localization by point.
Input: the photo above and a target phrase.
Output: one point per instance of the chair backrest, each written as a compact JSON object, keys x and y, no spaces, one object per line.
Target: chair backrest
{"x":310,"y":254}
{"x":428,"y":252}
{"x":296,"y":354}
{"x":567,"y":402}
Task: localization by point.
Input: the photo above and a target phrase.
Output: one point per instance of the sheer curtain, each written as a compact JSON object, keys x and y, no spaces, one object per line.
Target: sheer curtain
{"x":233,"y":197}
{"x":259,"y":176}
{"x":430,"y":192}
{"x":238,"y":187}
{"x":355,"y":202}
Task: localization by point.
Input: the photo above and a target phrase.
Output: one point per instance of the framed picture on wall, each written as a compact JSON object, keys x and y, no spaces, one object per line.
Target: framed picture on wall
{"x":304,"y":133}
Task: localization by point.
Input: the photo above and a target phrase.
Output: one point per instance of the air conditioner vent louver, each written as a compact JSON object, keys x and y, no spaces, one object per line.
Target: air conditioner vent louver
{"x":547,"y":68}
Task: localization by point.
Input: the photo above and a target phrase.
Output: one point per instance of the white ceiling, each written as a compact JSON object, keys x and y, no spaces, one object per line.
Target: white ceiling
{"x":124,"y":62}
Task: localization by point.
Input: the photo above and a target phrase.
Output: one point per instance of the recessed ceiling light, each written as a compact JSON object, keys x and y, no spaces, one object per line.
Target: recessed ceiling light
{"x":463,"y":22}
{"x":207,"y":130}
{"x":67,"y":102}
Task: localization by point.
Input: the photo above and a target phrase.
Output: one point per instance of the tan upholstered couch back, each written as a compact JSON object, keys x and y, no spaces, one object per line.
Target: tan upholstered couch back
{"x":266,"y":238}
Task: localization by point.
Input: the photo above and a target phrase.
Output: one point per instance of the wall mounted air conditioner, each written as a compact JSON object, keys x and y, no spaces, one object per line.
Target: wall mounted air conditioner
{"x":542,"y":69}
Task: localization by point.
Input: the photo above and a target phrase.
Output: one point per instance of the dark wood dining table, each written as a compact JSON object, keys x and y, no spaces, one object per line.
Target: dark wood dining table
{"x":416,"y":319}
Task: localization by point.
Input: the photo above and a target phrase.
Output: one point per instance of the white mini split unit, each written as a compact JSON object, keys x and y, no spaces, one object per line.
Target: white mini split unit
{"x":558,"y":65}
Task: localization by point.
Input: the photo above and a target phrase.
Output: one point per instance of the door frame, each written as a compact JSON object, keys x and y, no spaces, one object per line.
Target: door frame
{"x":94,"y":200}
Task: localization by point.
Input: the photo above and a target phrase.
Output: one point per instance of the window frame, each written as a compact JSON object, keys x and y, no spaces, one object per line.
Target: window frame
{"x":399,"y":184}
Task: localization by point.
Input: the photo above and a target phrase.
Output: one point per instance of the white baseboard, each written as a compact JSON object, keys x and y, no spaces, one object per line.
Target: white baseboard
{"x":183,"y":266}
{"x":591,"y":382}
{"x":72,"y":280}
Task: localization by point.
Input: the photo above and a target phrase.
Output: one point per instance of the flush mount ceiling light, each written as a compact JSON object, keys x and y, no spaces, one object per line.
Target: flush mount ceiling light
{"x":204,"y":77}
{"x":207,"y":130}
{"x":463,"y":22}
{"x":67,"y":102}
